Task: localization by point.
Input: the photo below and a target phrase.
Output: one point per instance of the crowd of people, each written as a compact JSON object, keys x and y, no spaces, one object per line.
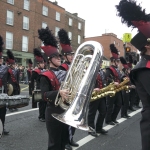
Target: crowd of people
{"x":128,"y":85}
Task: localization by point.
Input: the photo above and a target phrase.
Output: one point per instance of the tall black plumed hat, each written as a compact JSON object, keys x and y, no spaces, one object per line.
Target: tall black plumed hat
{"x":38,"y":55}
{"x":114,"y":51}
{"x":124,"y":63}
{"x":10,"y":57}
{"x":65,"y":42}
{"x":30,"y":63}
{"x":133,"y":15}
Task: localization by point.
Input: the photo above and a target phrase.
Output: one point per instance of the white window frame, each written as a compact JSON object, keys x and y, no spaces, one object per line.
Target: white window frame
{"x":10,"y":2}
{"x":9,"y":41}
{"x":44,"y":25}
{"x":45,"y":10}
{"x":79,"y":39}
{"x":26,"y":4}
{"x":57,"y":16}
{"x":70,"y":21}
{"x":10,"y":20}
{"x":56,"y":31}
{"x":79,"y":25}
{"x":25,"y":24}
{"x":70,"y":35}
{"x":25,"y":44}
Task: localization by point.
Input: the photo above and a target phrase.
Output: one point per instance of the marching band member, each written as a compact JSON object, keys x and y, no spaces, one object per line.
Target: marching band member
{"x":3,"y":85}
{"x":99,"y":105}
{"x":125,"y":93}
{"x":35,"y":83}
{"x":13,"y":76}
{"x":49,"y":84}
{"x":67,"y":54}
{"x":113,"y":74}
{"x":29,"y":73}
{"x":140,"y":74}
{"x":133,"y":90}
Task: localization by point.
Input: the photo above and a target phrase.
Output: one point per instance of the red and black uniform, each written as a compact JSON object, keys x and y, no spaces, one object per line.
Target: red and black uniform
{"x":58,"y":131}
{"x":113,"y":103}
{"x":3,"y":89}
{"x":29,"y":74}
{"x":99,"y":105}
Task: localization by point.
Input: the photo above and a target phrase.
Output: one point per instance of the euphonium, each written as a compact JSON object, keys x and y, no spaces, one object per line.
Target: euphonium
{"x":80,"y":81}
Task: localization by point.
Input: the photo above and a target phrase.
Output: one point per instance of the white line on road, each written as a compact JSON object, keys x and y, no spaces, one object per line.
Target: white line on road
{"x":108,"y":127}
{"x":20,"y":112}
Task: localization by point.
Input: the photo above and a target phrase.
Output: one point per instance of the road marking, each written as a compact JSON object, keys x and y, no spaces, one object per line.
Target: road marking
{"x":20,"y":112}
{"x":24,"y":88}
{"x":108,"y":127}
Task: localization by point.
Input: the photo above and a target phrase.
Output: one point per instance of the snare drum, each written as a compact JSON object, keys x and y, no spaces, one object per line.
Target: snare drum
{"x":37,"y":95}
{"x":3,"y":100}
{"x":18,"y":101}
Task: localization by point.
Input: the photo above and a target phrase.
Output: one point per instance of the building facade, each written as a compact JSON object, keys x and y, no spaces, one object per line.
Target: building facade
{"x":21,"y":19}
{"x":110,"y":38}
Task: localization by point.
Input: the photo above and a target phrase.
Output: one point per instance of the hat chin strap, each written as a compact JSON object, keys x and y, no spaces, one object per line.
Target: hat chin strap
{"x":53,"y":64}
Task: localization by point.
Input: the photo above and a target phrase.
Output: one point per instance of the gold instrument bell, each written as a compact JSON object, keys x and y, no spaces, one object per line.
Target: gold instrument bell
{"x":10,"y":89}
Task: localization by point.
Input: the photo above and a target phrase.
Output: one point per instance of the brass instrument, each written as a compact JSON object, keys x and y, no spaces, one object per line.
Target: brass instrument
{"x":106,"y":91}
{"x":80,"y":81}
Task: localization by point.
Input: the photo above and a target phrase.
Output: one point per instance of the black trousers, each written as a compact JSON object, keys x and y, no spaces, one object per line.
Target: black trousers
{"x":113,"y":107}
{"x":3,"y":114}
{"x":132,"y":97}
{"x":71,"y":132}
{"x":137,"y":99}
{"x":30,"y":90}
{"x":34,"y":104}
{"x":99,"y":105}
{"x":57,"y":132}
{"x":125,"y":106}
{"x":145,"y":129}
{"x":42,"y":107}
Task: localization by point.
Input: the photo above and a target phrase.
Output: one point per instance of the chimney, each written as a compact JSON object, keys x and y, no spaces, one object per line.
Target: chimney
{"x":56,"y":3}
{"x":75,"y":14}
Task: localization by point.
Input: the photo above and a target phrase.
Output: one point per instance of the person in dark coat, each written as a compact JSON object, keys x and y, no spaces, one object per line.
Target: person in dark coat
{"x":113,"y":74}
{"x":3,"y":86}
{"x":35,"y":84}
{"x":29,"y":74}
{"x":98,"y":105}
{"x":140,"y":74}
{"x":49,"y":83}
{"x":67,"y":53}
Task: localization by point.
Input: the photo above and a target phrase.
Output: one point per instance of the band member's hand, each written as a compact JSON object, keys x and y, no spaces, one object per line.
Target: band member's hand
{"x":116,"y":83}
{"x":64,"y":94}
{"x":96,"y":89}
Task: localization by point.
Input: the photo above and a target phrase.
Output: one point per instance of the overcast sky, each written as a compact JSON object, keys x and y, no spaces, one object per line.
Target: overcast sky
{"x":100,"y":15}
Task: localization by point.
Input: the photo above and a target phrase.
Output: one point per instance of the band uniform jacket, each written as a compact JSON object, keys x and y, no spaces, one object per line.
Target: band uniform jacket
{"x":29,"y":74}
{"x":140,"y":76}
{"x":13,"y":79}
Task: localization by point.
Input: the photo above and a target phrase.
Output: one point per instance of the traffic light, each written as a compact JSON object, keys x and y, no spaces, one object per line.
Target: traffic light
{"x":128,"y":49}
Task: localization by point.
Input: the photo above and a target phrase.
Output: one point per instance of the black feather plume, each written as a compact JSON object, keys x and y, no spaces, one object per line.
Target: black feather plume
{"x":129,"y":11}
{"x":63,"y":37}
{"x":30,"y":61}
{"x":10,"y":54}
{"x":135,"y":62}
{"x":130,"y":59}
{"x":37,"y":52}
{"x":113,"y":49}
{"x":123,"y":61}
{"x":46,"y":36}
{"x":1,"y":44}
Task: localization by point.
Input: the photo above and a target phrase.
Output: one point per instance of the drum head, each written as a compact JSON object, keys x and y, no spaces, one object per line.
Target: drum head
{"x":10,"y":89}
{"x":1,"y":128}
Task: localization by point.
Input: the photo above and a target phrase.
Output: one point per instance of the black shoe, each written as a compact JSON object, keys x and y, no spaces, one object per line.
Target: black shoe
{"x":110,"y":123}
{"x":93,"y":134}
{"x":115,"y":121}
{"x":102,"y":131}
{"x":42,"y":119}
{"x":68,"y":147}
{"x":5,"y":132}
{"x":137,"y":106}
{"x":72,"y":143}
{"x":124,"y":117}
{"x":132,"y":109}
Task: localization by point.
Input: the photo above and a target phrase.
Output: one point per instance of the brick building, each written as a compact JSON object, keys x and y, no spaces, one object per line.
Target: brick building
{"x":107,"y":39}
{"x":21,"y":19}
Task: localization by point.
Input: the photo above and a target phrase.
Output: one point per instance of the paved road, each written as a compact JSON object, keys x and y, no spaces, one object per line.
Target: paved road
{"x":28,"y":133}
